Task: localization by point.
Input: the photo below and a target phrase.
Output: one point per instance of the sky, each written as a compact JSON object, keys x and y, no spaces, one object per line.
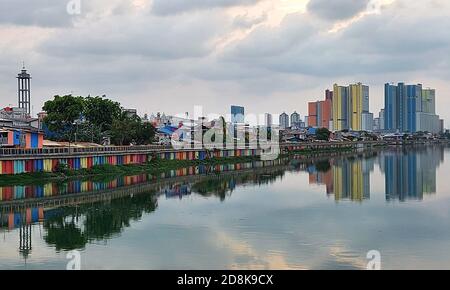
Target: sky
{"x":267,"y":55}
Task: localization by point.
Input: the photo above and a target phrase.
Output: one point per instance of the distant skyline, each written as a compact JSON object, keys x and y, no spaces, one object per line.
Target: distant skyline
{"x":266,"y":55}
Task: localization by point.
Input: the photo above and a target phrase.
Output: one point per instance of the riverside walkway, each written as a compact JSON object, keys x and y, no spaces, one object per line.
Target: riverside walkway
{"x":7,"y":153}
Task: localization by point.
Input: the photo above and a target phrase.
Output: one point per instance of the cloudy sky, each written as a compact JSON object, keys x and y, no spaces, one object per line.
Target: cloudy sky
{"x":268,"y":55}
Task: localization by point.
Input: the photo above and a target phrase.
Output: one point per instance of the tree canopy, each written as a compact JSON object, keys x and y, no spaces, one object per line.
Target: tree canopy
{"x":323,"y":134}
{"x":89,"y":119}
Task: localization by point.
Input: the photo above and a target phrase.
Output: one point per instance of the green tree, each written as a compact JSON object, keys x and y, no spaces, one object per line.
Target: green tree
{"x":126,"y":130}
{"x":323,"y":134}
{"x":122,"y":130}
{"x":100,"y":112}
{"x":62,"y":112}
{"x":145,"y":133}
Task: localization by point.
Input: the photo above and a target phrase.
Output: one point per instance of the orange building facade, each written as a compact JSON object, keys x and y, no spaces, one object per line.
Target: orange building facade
{"x":320,"y":114}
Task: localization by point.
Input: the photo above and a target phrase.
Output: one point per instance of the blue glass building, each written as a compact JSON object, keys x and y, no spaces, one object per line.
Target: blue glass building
{"x":237,"y":115}
{"x":402,"y":102}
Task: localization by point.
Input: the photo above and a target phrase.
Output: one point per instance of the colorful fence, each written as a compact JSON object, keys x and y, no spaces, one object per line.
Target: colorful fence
{"x":11,"y":193}
{"x":77,"y":163}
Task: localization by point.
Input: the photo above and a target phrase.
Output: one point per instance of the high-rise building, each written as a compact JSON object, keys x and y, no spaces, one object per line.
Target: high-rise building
{"x":340,"y":108}
{"x":268,"y":121}
{"x":295,"y":119}
{"x":376,"y":124}
{"x":320,"y":113}
{"x":381,"y":120}
{"x":414,"y":105}
{"x":409,"y":108}
{"x":429,"y":101}
{"x":284,"y":121}
{"x":359,"y":104}
{"x":237,"y":115}
{"x":391,"y":108}
{"x":328,"y":95}
{"x":312,"y":115}
{"x":350,"y":105}
{"x":24,"y":90}
{"x":367,"y":122}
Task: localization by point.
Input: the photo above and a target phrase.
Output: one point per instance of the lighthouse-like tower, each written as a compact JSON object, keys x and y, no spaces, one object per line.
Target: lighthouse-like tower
{"x":24,"y":91}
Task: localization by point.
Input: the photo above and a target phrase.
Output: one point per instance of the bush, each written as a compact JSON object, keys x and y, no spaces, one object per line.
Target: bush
{"x":62,"y":168}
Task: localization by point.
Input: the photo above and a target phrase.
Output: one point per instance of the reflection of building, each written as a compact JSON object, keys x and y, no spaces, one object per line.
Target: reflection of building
{"x":23,"y":221}
{"x":351,"y":179}
{"x":322,"y":178}
{"x":177,"y":191}
{"x":411,"y":175}
{"x":13,"y":220}
{"x":347,"y":179}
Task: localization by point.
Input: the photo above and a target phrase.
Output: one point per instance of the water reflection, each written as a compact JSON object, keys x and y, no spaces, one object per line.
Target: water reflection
{"x":72,"y":215}
{"x":347,"y":178}
{"x":72,"y":228}
{"x":410,"y":175}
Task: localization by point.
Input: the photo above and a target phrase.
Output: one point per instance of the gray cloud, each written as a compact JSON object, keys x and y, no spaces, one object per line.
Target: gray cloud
{"x":397,"y":42}
{"x":171,"y":63}
{"x":46,"y":13}
{"x":167,"y":7}
{"x":337,"y":9}
{"x":143,"y":35}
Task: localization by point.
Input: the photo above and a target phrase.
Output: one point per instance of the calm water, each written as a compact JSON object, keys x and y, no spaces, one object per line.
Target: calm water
{"x":325,"y":213}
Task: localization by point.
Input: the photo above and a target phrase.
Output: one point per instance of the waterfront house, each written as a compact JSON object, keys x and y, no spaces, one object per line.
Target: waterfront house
{"x":30,"y":138}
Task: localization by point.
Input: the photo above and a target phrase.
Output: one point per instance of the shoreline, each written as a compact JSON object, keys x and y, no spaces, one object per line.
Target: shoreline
{"x":153,"y":167}
{"x":163,"y":165}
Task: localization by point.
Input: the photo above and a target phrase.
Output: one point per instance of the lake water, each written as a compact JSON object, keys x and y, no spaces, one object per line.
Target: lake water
{"x":323,"y":213}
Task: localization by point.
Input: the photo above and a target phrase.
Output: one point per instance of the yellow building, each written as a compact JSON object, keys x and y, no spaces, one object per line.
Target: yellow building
{"x":340,"y":108}
{"x":359,"y":104}
{"x":349,"y":105}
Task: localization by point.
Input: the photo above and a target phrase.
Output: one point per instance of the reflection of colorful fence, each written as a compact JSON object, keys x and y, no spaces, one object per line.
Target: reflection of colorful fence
{"x":77,"y":163}
{"x":202,"y":155}
{"x":11,"y":193}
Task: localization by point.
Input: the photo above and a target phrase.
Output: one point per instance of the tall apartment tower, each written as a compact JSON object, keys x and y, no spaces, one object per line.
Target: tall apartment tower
{"x":341,"y":108}
{"x":24,"y":90}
